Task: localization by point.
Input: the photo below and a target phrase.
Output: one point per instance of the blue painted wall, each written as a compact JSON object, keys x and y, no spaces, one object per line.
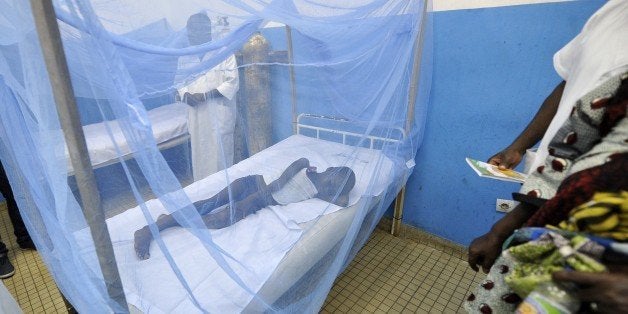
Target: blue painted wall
{"x":492,"y":69}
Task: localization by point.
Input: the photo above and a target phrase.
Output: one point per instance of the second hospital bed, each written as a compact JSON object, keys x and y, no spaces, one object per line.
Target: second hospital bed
{"x":168,"y":122}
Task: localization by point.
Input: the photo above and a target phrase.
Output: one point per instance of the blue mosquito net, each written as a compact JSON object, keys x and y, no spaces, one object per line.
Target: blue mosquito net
{"x":241,"y":151}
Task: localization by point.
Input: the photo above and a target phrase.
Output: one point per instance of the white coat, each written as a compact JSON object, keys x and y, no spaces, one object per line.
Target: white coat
{"x":211,"y":124}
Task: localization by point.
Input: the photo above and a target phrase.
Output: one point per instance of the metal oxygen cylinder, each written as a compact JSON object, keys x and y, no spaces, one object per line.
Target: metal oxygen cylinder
{"x":257,"y":98}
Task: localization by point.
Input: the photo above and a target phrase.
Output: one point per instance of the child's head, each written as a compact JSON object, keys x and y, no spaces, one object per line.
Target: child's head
{"x":335,"y":181}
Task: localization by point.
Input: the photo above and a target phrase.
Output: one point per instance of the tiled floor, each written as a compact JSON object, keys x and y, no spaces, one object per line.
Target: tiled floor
{"x":396,"y":275}
{"x":31,"y":286}
{"x":389,"y":275}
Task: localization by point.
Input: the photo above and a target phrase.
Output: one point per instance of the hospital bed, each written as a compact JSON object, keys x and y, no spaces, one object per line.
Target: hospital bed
{"x":170,"y":128}
{"x":276,"y":247}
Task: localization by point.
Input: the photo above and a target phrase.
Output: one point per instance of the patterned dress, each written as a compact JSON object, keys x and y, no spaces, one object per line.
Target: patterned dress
{"x":589,"y":153}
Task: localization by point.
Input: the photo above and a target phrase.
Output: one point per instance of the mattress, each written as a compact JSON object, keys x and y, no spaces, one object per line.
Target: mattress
{"x":320,"y":236}
{"x":168,"y":122}
{"x":277,"y":242}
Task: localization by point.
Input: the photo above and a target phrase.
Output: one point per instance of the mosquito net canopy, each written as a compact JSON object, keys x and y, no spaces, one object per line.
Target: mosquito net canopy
{"x":239,"y":152}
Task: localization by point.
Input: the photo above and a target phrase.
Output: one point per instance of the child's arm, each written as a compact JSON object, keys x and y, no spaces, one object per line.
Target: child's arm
{"x":342,"y":200}
{"x":287,"y":174}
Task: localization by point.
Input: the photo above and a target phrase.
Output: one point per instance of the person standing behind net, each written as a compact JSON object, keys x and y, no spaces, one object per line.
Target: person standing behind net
{"x":211,"y":97}
{"x":23,"y":238}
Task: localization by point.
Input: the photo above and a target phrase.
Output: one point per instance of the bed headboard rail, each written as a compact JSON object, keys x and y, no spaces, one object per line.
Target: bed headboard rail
{"x":318,"y":125}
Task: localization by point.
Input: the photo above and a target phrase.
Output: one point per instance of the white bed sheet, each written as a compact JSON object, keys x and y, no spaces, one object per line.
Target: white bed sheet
{"x":258,"y":243}
{"x":320,"y":236}
{"x":168,"y":122}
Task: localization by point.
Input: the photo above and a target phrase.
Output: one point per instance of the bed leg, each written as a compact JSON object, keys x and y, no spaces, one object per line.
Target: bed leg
{"x":398,"y":213}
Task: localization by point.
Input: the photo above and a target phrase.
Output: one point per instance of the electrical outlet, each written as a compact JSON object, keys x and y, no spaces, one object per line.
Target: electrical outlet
{"x":505,"y":206}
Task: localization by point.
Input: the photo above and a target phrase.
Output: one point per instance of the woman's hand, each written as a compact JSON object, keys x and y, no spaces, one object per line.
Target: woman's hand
{"x":507,"y":158}
{"x":607,"y":292}
{"x":484,"y":250}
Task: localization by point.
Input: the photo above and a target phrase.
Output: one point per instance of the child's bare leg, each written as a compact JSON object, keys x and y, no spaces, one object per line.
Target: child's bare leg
{"x":241,"y":188}
{"x":228,"y":216}
{"x":143,"y":237}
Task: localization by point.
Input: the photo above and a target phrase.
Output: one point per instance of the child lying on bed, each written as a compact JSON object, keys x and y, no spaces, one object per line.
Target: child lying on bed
{"x":249,"y":194}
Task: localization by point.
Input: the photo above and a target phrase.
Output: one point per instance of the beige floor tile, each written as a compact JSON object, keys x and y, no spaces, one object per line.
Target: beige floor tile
{"x":31,"y":286}
{"x":407,"y":277}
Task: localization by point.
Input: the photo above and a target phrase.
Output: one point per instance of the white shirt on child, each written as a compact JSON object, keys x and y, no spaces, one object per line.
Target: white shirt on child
{"x":299,"y":188}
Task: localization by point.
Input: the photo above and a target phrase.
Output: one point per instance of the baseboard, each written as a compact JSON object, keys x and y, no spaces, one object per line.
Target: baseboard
{"x":417,"y":235}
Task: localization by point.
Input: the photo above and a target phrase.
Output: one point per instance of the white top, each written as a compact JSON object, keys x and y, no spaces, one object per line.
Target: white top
{"x":299,"y":188}
{"x":223,"y":77}
{"x":599,"y":52}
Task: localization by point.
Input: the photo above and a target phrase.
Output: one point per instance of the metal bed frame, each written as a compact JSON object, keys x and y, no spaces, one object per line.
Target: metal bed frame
{"x":301,"y":127}
{"x":170,"y":143}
